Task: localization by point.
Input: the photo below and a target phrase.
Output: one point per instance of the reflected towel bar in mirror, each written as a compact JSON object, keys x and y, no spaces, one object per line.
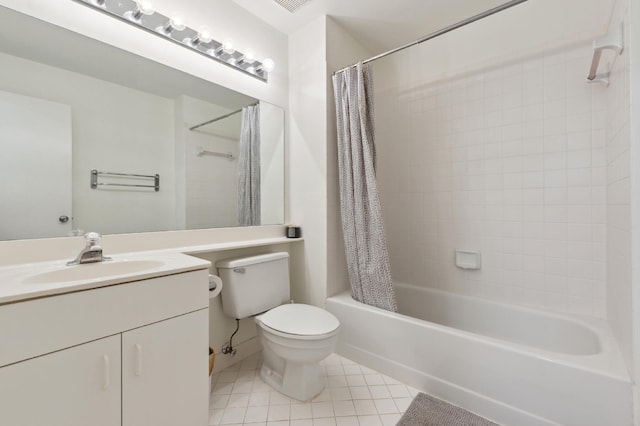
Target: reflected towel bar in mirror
{"x":201,"y":151}
{"x":95,"y":174}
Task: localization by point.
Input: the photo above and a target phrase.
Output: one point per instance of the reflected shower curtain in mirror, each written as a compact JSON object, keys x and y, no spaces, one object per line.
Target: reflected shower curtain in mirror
{"x":364,"y":238}
{"x":249,"y":167}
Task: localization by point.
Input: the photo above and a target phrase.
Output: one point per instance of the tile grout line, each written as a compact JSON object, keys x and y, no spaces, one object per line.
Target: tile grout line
{"x":355,"y":396}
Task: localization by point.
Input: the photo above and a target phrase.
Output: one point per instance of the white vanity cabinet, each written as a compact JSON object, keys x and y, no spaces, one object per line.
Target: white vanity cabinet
{"x":131,"y":354}
{"x":163,"y":381}
{"x":78,"y":386}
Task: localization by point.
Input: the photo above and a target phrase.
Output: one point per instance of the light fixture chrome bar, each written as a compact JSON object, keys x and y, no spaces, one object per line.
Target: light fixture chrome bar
{"x":129,"y":11}
{"x":442,"y":31}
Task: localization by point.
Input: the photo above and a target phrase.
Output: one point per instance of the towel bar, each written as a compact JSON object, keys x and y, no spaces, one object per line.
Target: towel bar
{"x":95,"y":184}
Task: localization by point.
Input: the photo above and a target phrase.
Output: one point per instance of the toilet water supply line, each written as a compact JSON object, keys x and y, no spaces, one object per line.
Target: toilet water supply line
{"x":228,"y":347}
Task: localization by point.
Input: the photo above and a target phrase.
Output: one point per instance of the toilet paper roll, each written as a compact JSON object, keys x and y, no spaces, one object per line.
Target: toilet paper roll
{"x":215,"y":286}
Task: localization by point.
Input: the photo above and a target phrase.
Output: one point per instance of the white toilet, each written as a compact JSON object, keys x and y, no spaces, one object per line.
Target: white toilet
{"x":295,"y":337}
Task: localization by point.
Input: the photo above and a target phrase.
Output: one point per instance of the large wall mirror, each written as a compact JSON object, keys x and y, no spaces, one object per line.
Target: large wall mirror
{"x":95,"y":138}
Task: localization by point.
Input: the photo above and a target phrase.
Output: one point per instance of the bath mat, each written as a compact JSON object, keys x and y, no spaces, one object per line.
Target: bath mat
{"x":426,"y":410}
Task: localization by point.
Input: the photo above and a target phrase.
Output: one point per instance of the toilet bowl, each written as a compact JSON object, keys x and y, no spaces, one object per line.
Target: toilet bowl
{"x":294,"y":339}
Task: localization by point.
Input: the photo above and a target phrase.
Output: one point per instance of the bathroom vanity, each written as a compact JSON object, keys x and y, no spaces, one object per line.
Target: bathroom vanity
{"x":125,"y":347}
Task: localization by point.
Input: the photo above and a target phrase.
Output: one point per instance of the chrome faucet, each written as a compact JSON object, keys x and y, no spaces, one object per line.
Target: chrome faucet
{"x":92,"y":252}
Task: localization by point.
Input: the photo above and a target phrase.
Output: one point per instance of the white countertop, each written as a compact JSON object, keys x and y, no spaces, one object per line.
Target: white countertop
{"x":28,"y":281}
{"x":33,"y":280}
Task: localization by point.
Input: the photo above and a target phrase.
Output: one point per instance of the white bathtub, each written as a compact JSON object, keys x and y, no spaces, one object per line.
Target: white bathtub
{"x":516,"y":366}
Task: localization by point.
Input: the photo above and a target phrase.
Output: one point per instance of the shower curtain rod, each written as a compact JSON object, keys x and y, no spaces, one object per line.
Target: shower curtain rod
{"x":442,"y":31}
{"x":222,"y":117}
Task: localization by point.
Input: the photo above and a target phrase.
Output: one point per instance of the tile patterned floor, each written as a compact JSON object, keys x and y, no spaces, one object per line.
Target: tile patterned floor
{"x":355,"y":396}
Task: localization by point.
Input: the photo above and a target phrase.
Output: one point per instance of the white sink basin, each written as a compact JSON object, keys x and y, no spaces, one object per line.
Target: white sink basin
{"x":89,"y":271}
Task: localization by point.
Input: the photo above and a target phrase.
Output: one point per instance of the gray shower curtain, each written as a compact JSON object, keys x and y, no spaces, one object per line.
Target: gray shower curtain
{"x":249,"y":167}
{"x":364,"y":238}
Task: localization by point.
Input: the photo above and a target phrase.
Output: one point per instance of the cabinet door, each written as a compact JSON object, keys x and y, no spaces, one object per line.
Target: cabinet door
{"x":78,"y":386}
{"x":165,"y":372}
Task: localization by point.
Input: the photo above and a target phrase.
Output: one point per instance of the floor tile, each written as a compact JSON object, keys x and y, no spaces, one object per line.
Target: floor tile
{"x":347,"y":421}
{"x":278,"y":412}
{"x":360,"y":392}
{"x":233,"y":415}
{"x":256,"y":414}
{"x":354,"y":396}
{"x":369,"y":421}
{"x":300,"y":411}
{"x":365,"y":406}
{"x":379,"y":392}
{"x":390,"y":419}
{"x":344,"y":408}
{"x":385,"y":406}
{"x":321,"y":409}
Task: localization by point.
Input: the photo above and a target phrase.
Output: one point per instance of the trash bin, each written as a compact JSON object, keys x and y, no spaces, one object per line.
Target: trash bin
{"x":212,"y":359}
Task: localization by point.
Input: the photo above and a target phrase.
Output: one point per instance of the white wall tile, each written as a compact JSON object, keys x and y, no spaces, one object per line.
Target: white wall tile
{"x":520,"y":174}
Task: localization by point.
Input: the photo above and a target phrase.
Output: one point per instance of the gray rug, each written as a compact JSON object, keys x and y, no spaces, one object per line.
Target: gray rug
{"x":426,"y":410}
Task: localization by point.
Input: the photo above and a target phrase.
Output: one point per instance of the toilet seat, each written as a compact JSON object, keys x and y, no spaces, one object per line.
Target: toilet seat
{"x":300,"y":321}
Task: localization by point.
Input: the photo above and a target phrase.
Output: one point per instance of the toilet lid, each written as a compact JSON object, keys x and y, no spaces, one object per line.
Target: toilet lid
{"x":300,"y":319}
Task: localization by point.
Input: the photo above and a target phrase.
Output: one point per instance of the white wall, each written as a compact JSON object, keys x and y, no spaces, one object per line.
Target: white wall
{"x":100,"y":110}
{"x":316,"y":51}
{"x":272,"y":164}
{"x":634,"y":125}
{"x":308,"y":159}
{"x":210,"y":184}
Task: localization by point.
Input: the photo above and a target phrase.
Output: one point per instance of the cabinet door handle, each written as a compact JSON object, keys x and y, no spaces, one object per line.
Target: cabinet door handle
{"x":107,"y":372}
{"x":138,"y":359}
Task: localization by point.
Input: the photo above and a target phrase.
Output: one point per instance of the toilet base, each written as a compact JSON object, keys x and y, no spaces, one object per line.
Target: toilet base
{"x":302,"y":382}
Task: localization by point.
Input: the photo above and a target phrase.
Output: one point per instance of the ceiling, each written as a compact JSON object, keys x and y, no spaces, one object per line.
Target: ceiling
{"x":379,"y":25}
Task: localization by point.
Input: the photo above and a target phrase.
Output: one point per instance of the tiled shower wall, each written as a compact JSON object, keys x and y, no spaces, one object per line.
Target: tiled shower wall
{"x":509,"y":161}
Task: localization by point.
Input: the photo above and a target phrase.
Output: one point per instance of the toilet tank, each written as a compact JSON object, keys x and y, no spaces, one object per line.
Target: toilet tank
{"x":254,"y":284}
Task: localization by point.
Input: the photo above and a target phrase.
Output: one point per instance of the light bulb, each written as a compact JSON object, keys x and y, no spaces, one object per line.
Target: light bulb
{"x":142,"y":8}
{"x":177,"y":23}
{"x":174,"y":24}
{"x":227,"y":47}
{"x":203,"y":36}
{"x":145,"y":7}
{"x":268,"y":65}
{"x":248,"y":58}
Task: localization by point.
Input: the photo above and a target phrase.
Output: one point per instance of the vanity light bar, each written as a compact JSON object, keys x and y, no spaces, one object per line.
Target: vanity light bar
{"x":140,"y":14}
